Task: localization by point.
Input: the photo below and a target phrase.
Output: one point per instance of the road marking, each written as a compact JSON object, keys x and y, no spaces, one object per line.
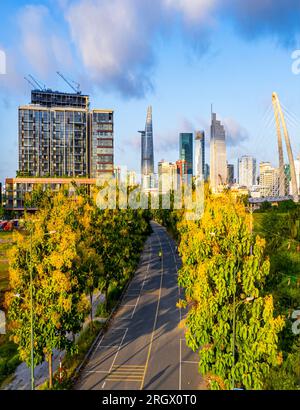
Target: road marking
{"x":124,"y":373}
{"x":180,"y":318}
{"x":118,"y":350}
{"x":97,"y":347}
{"x":103,"y":385}
{"x":109,"y":346}
{"x":135,"y":305}
{"x":189,"y":361}
{"x":155,"y":320}
{"x":180,"y":364}
{"x":96,"y":371}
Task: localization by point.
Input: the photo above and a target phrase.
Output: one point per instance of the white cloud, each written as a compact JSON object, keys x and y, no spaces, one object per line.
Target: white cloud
{"x":194,"y":11}
{"x":114,"y":41}
{"x":235,"y":133}
{"x":40,"y":43}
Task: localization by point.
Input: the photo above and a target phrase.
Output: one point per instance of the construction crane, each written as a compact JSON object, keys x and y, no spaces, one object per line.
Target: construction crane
{"x":29,"y":82}
{"x":76,"y":89}
{"x":37,"y":83}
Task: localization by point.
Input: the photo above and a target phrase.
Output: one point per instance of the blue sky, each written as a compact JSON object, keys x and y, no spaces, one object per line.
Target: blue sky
{"x":177,"y":55}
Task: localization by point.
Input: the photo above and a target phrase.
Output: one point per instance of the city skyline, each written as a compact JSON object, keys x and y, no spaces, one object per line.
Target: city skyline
{"x":179,"y":75}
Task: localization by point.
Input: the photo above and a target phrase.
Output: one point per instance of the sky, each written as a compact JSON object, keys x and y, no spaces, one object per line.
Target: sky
{"x":180,"y":56}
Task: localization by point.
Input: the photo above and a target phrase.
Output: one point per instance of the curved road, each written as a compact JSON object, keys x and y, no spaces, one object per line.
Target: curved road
{"x":143,"y":347}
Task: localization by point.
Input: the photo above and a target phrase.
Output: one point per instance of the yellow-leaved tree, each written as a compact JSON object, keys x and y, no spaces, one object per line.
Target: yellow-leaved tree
{"x":230,"y":321}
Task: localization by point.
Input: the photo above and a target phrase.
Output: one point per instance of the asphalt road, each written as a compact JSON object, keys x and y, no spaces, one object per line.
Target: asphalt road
{"x":144,"y":348}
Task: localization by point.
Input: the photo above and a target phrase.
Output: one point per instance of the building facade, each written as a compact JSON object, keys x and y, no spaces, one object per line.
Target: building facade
{"x":167,"y":177}
{"x":230,"y":174}
{"x":268,"y":180}
{"x":147,"y":155}
{"x":186,"y":152}
{"x":131,"y":178}
{"x":102,"y":143}
{"x":218,"y":164}
{"x":247,"y":171}
{"x":200,"y":155}
{"x":60,"y":137}
{"x":18,"y":188}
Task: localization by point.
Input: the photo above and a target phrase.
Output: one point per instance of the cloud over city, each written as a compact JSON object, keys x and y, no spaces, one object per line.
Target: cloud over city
{"x":112,"y":44}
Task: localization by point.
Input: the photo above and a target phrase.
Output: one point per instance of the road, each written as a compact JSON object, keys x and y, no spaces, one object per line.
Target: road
{"x":143,"y":347}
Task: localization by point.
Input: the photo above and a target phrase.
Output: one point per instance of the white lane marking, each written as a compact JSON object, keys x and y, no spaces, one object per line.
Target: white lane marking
{"x":97,"y":347}
{"x":103,"y":385}
{"x":180,"y":318}
{"x":156,"y":316}
{"x":145,"y":276}
{"x":118,"y":350}
{"x":189,"y":361}
{"x":96,"y":371}
{"x":180,"y":364}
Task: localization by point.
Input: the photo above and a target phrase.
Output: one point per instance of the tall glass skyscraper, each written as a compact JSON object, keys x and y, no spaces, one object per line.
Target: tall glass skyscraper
{"x":218,"y":164}
{"x":186,"y":151}
{"x":147,"y":156}
{"x":200,"y":155}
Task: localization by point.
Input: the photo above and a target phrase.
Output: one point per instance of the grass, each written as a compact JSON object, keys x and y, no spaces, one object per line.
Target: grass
{"x":9,"y":358}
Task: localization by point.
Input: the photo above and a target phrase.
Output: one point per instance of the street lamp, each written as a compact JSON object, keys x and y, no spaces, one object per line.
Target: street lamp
{"x":235,"y":308}
{"x":31,"y":309}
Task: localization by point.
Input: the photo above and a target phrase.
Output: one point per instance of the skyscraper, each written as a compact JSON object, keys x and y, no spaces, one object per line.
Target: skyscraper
{"x":247,"y":171}
{"x":186,"y":152}
{"x":200,"y":155}
{"x":147,"y":156}
{"x":230,"y":174}
{"x":218,"y":164}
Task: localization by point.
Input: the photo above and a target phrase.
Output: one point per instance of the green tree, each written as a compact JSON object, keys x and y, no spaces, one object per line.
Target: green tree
{"x":59,"y":302}
{"x":230,"y":321}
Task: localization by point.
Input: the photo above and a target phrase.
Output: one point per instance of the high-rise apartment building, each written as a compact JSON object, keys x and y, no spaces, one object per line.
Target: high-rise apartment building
{"x":60,"y":137}
{"x":268,"y":180}
{"x":218,"y":164}
{"x":186,"y":152}
{"x":102,"y":146}
{"x":247,"y":171}
{"x":167,"y":176}
{"x":200,"y":155}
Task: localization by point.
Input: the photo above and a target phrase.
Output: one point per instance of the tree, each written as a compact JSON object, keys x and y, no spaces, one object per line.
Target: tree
{"x":60,"y":305}
{"x":2,"y":211}
{"x":230,"y":321}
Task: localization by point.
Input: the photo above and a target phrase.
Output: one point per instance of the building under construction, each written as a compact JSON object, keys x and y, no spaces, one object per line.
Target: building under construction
{"x":60,"y":137}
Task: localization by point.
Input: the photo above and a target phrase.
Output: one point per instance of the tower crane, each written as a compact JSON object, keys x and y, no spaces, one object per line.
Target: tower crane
{"x":34,"y":83}
{"x":69,"y":82}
